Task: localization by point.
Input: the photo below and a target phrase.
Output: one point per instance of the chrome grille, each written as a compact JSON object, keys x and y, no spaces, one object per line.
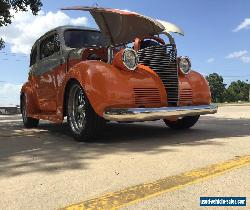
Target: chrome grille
{"x":162,"y":59}
{"x":144,"y":96}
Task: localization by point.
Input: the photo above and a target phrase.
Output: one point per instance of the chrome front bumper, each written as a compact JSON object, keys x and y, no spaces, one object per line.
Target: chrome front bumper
{"x":144,"y":114}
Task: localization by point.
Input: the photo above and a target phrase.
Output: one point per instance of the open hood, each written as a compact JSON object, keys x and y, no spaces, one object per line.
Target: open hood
{"x":171,"y":28}
{"x":120,"y":26}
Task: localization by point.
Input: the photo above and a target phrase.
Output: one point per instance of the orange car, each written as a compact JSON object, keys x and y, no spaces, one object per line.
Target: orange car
{"x":126,"y":72}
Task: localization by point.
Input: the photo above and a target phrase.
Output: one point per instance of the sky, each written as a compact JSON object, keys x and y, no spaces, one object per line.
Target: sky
{"x":217,"y":35}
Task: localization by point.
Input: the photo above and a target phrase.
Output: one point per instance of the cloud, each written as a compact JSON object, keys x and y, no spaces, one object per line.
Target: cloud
{"x":26,"y":28}
{"x":245,"y":59}
{"x":9,"y":94}
{"x":210,"y":60}
{"x":242,"y":55}
{"x":244,"y":25}
{"x":237,"y":54}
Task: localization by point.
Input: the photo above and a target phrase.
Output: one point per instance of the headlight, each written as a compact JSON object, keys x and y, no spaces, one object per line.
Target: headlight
{"x":184,"y":64}
{"x":130,"y":59}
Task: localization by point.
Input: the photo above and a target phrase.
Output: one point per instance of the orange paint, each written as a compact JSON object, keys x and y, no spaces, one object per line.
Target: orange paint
{"x":106,"y":86}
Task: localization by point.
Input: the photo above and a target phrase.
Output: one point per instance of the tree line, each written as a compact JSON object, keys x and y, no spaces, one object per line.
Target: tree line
{"x":236,"y":91}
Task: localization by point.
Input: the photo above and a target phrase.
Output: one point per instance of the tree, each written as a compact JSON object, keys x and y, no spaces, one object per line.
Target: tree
{"x":16,"y":5}
{"x":1,"y":44}
{"x":217,"y":87}
{"x":237,"y":91}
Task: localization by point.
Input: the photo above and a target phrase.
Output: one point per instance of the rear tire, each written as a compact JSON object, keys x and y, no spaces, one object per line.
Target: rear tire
{"x":84,"y":123}
{"x":183,"y":123}
{"x":28,"y":122}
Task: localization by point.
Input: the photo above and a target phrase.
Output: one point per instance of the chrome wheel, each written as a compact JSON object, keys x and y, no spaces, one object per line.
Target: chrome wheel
{"x":76,"y":109}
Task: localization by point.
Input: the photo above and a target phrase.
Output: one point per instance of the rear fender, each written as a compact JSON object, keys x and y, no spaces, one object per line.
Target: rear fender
{"x":31,"y":99}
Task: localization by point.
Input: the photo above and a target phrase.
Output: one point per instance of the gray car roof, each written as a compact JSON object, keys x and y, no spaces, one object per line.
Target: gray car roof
{"x":63,"y":28}
{"x":66,"y":27}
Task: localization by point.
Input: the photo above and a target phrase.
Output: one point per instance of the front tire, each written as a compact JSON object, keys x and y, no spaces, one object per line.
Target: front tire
{"x":28,"y":122}
{"x":84,"y":123}
{"x":183,"y":123}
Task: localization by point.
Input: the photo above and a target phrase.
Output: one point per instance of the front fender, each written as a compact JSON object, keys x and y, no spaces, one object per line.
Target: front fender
{"x":106,"y":86}
{"x":201,"y":94}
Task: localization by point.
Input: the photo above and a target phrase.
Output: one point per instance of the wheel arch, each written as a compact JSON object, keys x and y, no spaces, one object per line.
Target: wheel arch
{"x":92,"y":76}
{"x":32,"y":103}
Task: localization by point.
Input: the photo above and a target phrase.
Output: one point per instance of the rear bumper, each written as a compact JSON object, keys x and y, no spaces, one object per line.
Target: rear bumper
{"x":144,"y":114}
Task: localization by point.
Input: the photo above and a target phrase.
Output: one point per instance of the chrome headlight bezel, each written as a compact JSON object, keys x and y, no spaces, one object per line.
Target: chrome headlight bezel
{"x":184,"y":64}
{"x":129,"y":55}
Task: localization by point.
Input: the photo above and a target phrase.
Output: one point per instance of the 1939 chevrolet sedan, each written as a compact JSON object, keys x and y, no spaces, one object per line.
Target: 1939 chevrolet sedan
{"x":127,"y":71}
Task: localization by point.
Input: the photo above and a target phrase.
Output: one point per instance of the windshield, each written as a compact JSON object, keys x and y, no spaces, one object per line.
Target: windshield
{"x":83,"y":38}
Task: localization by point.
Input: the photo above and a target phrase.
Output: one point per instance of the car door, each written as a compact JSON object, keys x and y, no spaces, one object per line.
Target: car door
{"x":32,"y":78}
{"x":46,"y":72}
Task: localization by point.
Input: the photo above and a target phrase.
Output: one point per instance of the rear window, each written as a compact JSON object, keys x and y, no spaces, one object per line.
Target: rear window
{"x":83,"y":38}
{"x":49,"y":46}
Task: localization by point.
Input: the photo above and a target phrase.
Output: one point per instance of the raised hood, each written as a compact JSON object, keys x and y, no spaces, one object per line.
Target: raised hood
{"x":120,"y":26}
{"x":171,"y":28}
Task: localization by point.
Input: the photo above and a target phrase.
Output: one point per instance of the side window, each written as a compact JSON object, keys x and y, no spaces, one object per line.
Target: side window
{"x":33,"y":56}
{"x":49,"y":46}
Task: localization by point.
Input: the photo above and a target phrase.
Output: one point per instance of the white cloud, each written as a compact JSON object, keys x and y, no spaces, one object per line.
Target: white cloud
{"x":242,"y":55}
{"x":210,"y":60}
{"x":79,"y":21}
{"x":26,"y":28}
{"x":237,"y":54}
{"x":244,"y":25}
{"x":9,"y":94}
{"x":245,"y":59}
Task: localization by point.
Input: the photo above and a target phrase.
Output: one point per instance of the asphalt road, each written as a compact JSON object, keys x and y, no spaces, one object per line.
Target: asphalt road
{"x":45,"y":168}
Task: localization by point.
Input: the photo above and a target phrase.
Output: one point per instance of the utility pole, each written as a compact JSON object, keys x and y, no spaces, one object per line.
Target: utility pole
{"x":248,"y":90}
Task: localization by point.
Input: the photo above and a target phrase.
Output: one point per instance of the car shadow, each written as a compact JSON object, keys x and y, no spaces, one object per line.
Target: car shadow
{"x":51,"y":148}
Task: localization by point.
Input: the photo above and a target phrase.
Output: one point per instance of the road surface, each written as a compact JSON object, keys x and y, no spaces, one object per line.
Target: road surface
{"x":46,"y":168}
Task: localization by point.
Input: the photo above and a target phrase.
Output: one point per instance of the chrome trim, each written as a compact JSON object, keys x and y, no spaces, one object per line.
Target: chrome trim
{"x":144,"y":114}
{"x":110,"y":54}
{"x":163,"y":60}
